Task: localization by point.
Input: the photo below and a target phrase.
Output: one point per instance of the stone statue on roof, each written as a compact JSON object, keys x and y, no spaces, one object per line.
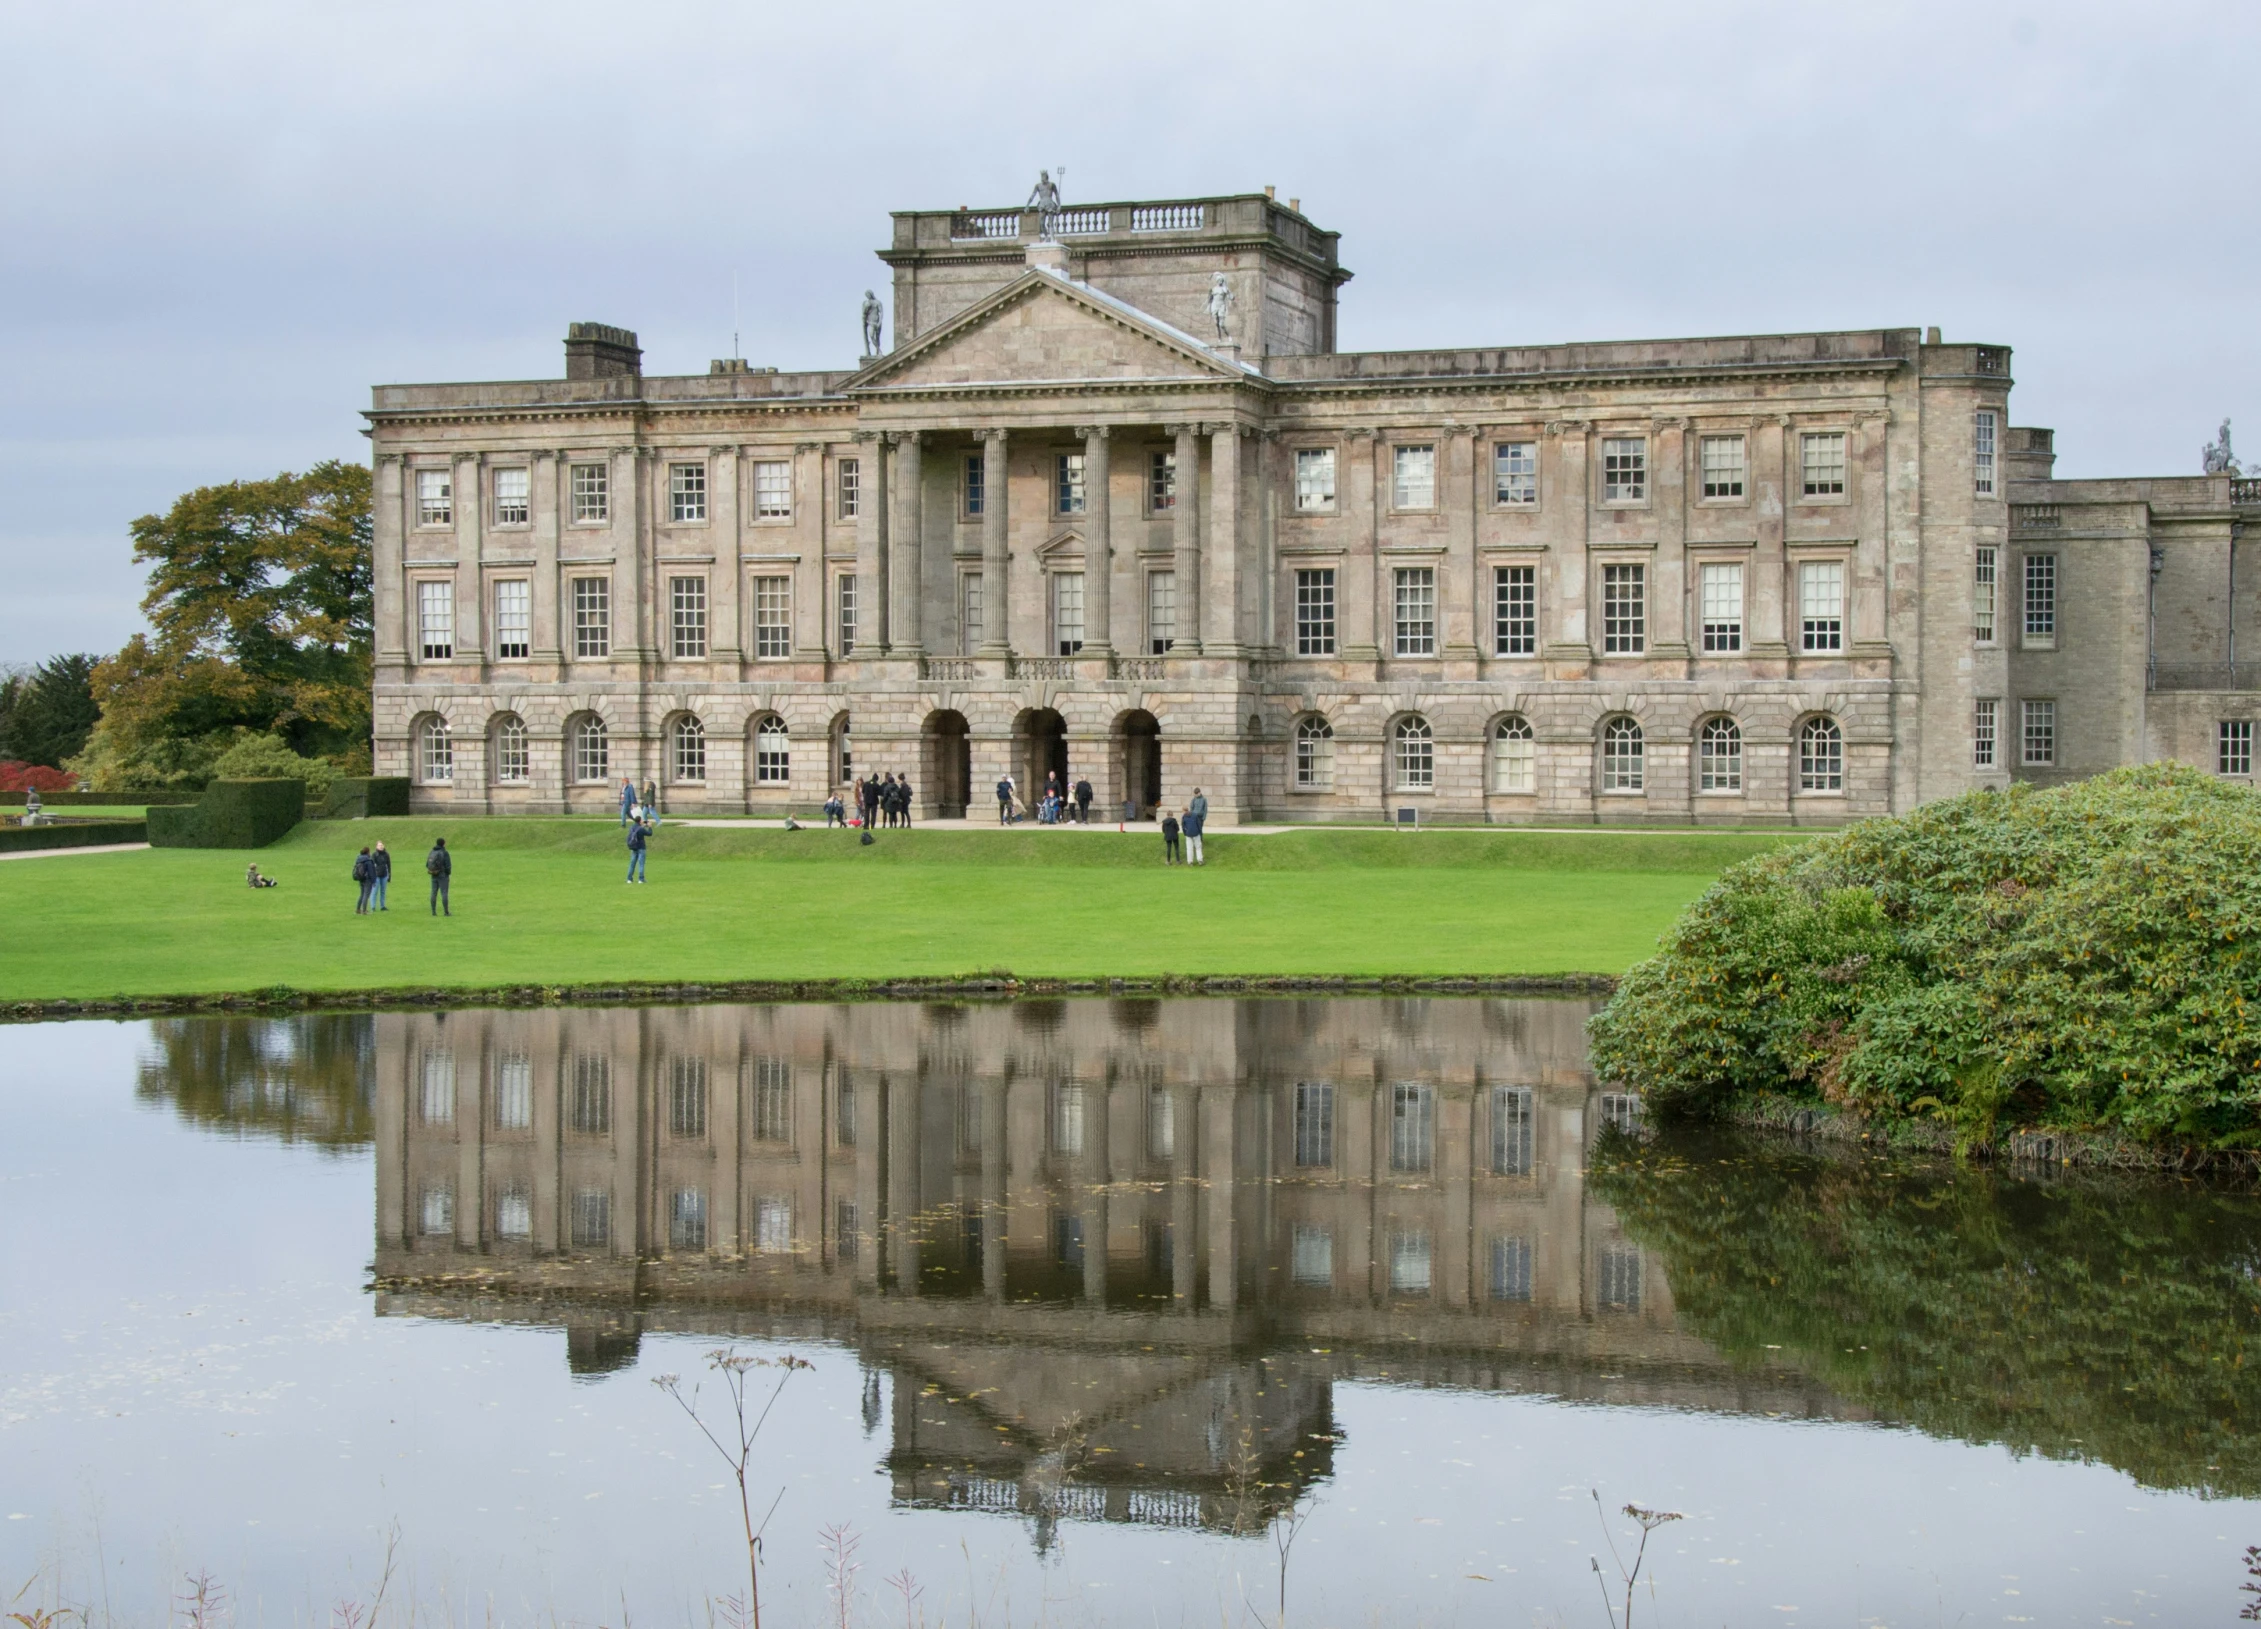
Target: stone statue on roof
{"x":1220,"y":306}
{"x":1044,"y":198}
{"x":2218,"y":457}
{"x":874,"y":314}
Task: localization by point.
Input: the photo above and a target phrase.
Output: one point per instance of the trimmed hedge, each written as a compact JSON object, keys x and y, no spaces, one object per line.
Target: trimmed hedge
{"x":99,"y":800}
{"x":359,"y":797}
{"x":85,"y":834}
{"x":231,"y":814}
{"x":2082,"y":959}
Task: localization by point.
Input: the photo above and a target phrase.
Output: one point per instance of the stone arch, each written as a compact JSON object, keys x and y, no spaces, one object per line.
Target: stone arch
{"x":946,"y":763}
{"x":431,"y":749}
{"x":1040,"y":749}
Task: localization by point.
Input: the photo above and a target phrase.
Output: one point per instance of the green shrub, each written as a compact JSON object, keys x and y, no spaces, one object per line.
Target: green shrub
{"x":2087,"y":957}
{"x":231,"y":814}
{"x":86,"y":834}
{"x":270,"y":757}
{"x":357,"y":797}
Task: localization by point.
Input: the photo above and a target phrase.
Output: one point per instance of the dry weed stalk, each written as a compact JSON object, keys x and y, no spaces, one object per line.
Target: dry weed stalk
{"x":738,"y":1451}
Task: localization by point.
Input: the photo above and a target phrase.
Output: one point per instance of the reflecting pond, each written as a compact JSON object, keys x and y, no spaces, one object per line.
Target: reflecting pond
{"x":1105,"y":1300}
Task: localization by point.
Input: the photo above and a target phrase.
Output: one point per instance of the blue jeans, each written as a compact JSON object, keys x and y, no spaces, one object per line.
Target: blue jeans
{"x":439,"y":896}
{"x":636,"y":865}
{"x":377,"y":893}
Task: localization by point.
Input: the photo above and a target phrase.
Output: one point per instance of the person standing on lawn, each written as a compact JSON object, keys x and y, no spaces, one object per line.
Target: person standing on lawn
{"x":440,"y":867}
{"x":363,"y":873}
{"x":627,"y":799}
{"x":381,"y":866}
{"x":1196,"y":817}
{"x":1169,"y":839}
{"x":639,"y":837}
{"x":1083,"y":803}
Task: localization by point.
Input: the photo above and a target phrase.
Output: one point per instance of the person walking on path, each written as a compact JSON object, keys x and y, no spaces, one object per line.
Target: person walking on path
{"x":1004,"y":800}
{"x":639,"y":836}
{"x":627,"y":799}
{"x":381,"y":867}
{"x":1083,"y":803}
{"x":1196,"y":817}
{"x":364,"y":872}
{"x":1169,"y":839}
{"x":440,"y":866}
{"x":651,"y":803}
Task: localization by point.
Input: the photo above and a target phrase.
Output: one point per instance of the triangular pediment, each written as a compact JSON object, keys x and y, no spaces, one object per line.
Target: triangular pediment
{"x":1044,"y":329}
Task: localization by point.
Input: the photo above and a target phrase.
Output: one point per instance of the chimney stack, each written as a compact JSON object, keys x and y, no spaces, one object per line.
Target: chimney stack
{"x":596,"y":350}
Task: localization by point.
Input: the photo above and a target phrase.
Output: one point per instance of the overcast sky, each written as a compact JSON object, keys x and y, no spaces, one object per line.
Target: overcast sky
{"x":219,"y":225}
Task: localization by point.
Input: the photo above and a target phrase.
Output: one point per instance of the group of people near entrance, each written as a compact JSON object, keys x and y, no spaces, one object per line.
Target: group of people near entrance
{"x":1053,"y":806}
{"x":871,"y":802}
{"x":373,"y":871}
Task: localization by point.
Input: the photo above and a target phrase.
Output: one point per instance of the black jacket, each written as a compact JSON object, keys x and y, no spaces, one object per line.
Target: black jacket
{"x":439,"y":863}
{"x":381,"y":863}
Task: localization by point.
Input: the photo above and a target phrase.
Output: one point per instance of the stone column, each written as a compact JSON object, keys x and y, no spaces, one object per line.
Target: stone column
{"x":994,"y":640}
{"x":871,"y":545}
{"x":909,"y":596}
{"x":552,"y":473}
{"x":1185,"y":524}
{"x":387,"y":560}
{"x":1570,"y":652}
{"x":1769,"y":644}
{"x":1224,"y":539}
{"x":1098,"y":548}
{"x":1460,"y":486}
{"x":1869,"y":585}
{"x":470,"y":543}
{"x":631,"y":633}
{"x":1356,"y":595}
{"x":1668,"y":602}
{"x":994,"y":1198}
{"x":726,"y":626}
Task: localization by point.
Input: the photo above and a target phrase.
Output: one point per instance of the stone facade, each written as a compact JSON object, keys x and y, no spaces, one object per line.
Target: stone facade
{"x":1066,"y":526}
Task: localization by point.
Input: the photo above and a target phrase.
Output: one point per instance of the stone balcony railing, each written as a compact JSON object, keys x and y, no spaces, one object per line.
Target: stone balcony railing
{"x":1239,"y":215}
{"x":2245,"y":490}
{"x":967,"y":669}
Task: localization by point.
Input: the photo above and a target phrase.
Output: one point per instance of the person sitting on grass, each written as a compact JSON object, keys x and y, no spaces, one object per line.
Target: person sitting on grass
{"x":252,"y":879}
{"x":639,"y":835}
{"x":1169,"y":839}
{"x":835,"y":812}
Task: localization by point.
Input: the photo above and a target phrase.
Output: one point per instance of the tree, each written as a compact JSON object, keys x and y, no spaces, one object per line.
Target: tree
{"x":261,"y":619}
{"x":47,"y":713}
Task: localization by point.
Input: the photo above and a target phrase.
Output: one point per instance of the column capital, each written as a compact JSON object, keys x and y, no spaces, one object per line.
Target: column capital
{"x":1361,"y":432}
{"x":808,"y":446}
{"x":1181,"y":430}
{"x":724,"y":452}
{"x":869,"y":435}
{"x":1094,"y":432}
{"x":1667,"y":421}
{"x":903,"y":438}
{"x":1568,"y":427}
{"x":991,"y":432}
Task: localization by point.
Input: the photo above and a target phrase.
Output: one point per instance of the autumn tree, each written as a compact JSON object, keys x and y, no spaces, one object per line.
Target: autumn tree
{"x":260,"y":616}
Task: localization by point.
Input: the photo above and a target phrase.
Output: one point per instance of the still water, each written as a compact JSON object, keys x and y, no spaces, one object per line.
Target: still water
{"x":1104,"y":1299}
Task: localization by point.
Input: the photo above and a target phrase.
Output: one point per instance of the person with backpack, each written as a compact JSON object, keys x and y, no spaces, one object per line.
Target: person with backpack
{"x":363,"y":874}
{"x":439,"y":866}
{"x":639,"y":838}
{"x":381,"y":869}
{"x":1196,"y":817}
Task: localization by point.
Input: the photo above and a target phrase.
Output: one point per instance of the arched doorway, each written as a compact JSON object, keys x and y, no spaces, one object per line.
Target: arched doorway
{"x":1141,"y":736}
{"x":946,"y":765}
{"x":1040,"y":747}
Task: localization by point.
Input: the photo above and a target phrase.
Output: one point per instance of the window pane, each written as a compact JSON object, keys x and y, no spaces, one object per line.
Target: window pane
{"x":1822,"y":460}
{"x":514,"y":620}
{"x":2041,"y":597}
{"x":1821,"y":756}
{"x":846,"y":593}
{"x":1416,"y":755}
{"x":1985,"y":722}
{"x":1515,"y":472}
{"x":1067,"y":612}
{"x":514,"y":1092}
{"x":435,"y":501}
{"x":1625,"y":610}
{"x":1162,"y":482}
{"x":1623,"y":753}
{"x":1821,"y":605}
{"x":592,"y":492}
{"x":975,"y":473}
{"x":1315,"y":612}
{"x":687,"y":600}
{"x":513,"y":762}
{"x":1625,"y":469}
{"x":1413,"y":1127}
{"x":2234,"y":747}
{"x":1515,"y":610}
{"x":773,"y":490}
{"x":512,"y":490}
{"x":1720,"y":603}
{"x":1315,"y":478}
{"x":1512,"y":1131}
{"x":592,"y":617}
{"x":1982,"y":454}
{"x":772,"y":753}
{"x":1314,"y":755}
{"x":2039,"y":733}
{"x":773,"y":618}
{"x":851,"y":478}
{"x":438,"y":752}
{"x":1514,"y":756}
{"x":1416,"y":479}
{"x":1722,"y":463}
{"x":687,"y":492}
{"x":1982,"y":596}
{"x":1068,"y":492}
{"x":688,"y":759}
{"x":1719,"y":756}
{"x":1312,"y":1258}
{"x":1161,"y":610}
{"x":1314,"y":1125}
{"x":435,"y":619}
{"x":1416,"y":610}
{"x":592,"y":751}
{"x":969,"y":613}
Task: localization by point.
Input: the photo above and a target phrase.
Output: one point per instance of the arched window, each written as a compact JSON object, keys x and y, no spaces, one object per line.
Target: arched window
{"x":687,"y":759}
{"x":773,"y":752}
{"x":1719,"y":756}
{"x":513,"y":765}
{"x":1314,"y":755}
{"x":843,"y":753}
{"x":435,"y":752}
{"x":1416,"y":754}
{"x":1515,"y":755}
{"x":1821,"y":756}
{"x":592,"y":750}
{"x":1623,"y":753}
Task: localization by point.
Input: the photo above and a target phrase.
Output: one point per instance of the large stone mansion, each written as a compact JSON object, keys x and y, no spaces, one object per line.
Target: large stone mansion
{"x":1114,"y":506}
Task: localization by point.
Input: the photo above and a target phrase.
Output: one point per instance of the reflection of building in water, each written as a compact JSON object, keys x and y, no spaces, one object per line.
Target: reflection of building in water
{"x":1114,"y":1253}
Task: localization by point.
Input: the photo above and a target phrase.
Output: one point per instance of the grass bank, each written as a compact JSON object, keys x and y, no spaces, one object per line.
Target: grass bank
{"x":542,"y":902}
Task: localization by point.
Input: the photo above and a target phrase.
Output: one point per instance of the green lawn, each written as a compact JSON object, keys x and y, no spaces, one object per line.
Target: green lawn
{"x":543,"y":901}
